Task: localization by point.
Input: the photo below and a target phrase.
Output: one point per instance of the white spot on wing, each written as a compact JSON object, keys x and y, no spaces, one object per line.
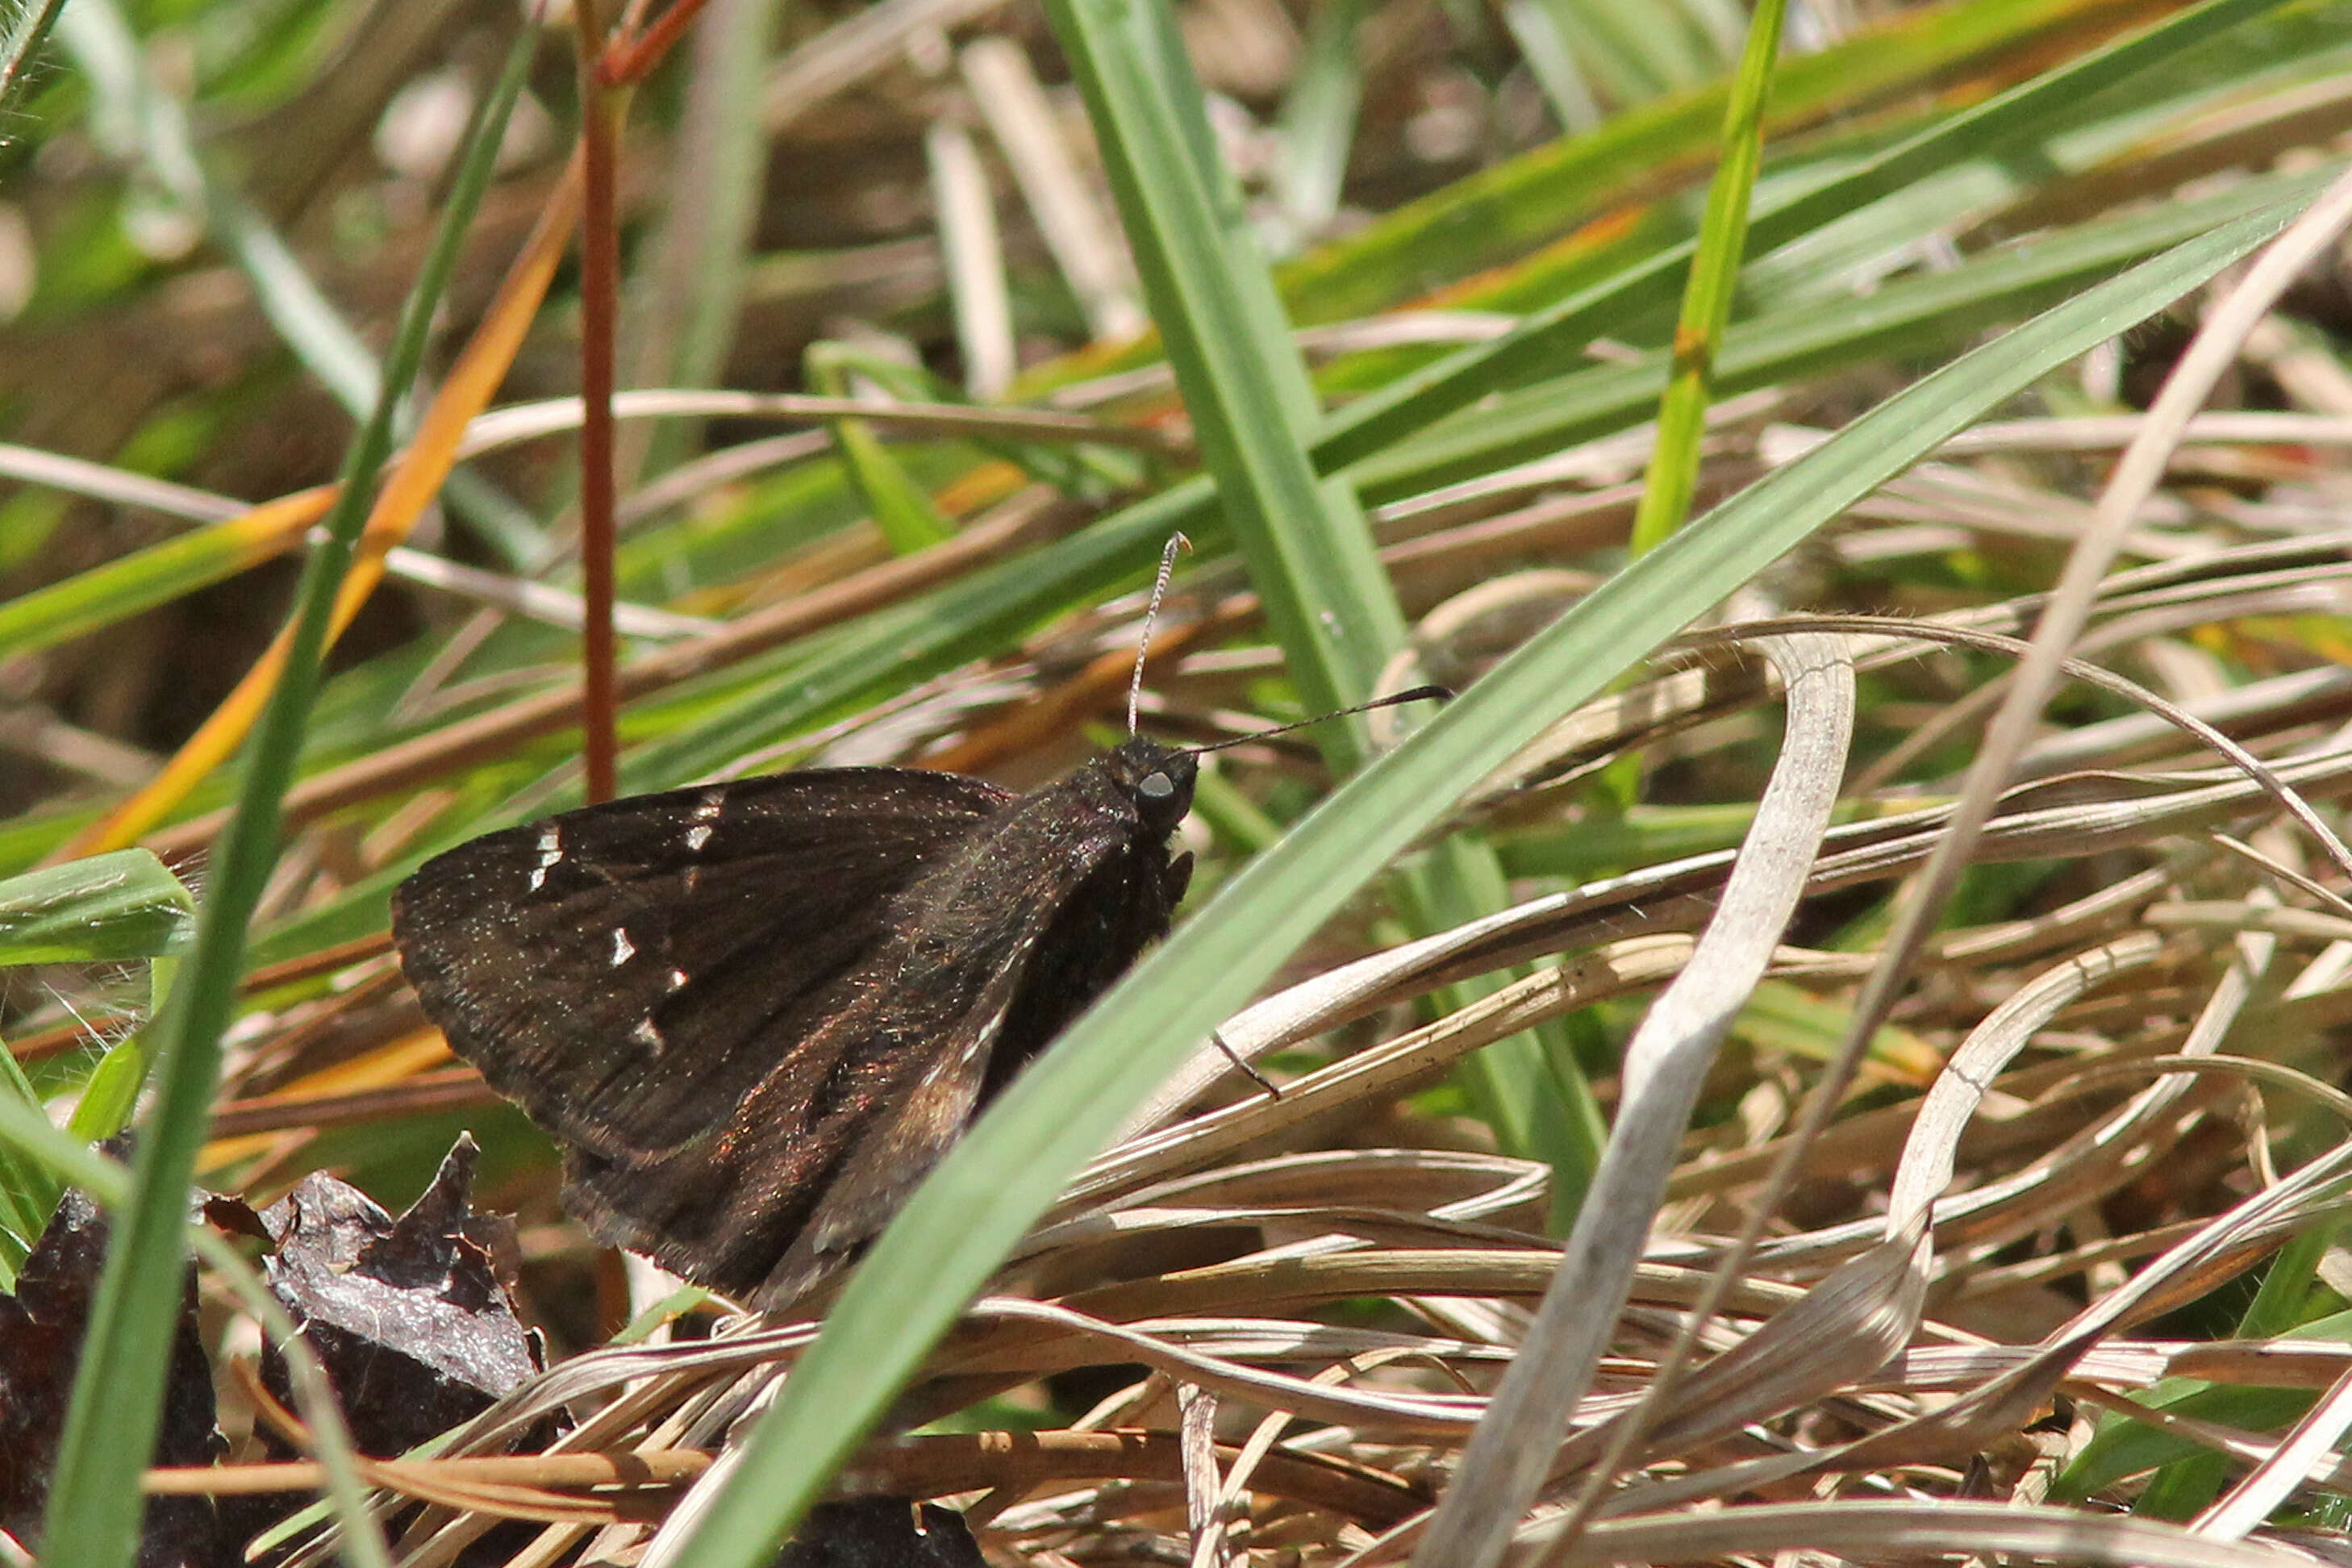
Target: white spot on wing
{"x":697,"y":836}
{"x":646,"y":1034}
{"x":550,"y":855}
{"x":623,"y":949}
{"x":713,"y":801}
{"x":677,"y":979}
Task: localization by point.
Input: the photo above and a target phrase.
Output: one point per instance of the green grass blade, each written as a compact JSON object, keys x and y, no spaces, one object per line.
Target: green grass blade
{"x":29,"y":1189}
{"x":107,"y":909}
{"x":94,"y":1498}
{"x":37,"y":1161}
{"x":2186,"y":1487}
{"x":1552,"y":338}
{"x":1541,"y":30}
{"x":108,"y":595}
{"x":942,"y":1247}
{"x":1707,"y":296}
{"x":902,"y":509}
{"x":1308,"y":550}
{"x":1318,"y":126}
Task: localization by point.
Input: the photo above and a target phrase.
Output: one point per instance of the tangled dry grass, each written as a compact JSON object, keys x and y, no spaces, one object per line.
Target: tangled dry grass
{"x":2043,"y":1257}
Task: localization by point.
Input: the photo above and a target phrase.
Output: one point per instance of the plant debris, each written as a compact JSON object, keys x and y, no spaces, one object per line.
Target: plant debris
{"x":41,"y":1331}
{"x":411,"y":1316}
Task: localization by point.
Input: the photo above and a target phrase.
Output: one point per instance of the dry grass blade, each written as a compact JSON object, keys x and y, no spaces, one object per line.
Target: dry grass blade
{"x":1505,"y":1463}
{"x":1085,"y":242}
{"x":1196,"y":1427}
{"x":2311,"y":1444}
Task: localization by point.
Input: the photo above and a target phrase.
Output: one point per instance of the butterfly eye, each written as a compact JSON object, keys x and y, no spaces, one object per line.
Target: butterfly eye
{"x":1156,"y":786}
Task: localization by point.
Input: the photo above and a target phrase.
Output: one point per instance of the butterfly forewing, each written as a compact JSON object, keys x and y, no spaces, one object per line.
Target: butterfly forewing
{"x":560,"y":957}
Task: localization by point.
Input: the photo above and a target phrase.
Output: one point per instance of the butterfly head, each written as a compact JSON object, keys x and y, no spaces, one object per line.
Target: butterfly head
{"x":1158,"y":779}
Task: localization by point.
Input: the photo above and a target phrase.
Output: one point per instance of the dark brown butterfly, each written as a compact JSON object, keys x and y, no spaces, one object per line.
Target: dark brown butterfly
{"x":754,"y":1014}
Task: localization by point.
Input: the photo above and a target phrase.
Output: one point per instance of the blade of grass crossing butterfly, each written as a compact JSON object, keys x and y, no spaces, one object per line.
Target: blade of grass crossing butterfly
{"x":947,"y":1240}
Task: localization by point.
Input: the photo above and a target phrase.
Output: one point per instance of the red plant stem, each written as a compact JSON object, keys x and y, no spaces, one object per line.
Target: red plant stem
{"x":632,"y":58}
{"x":599,"y":296}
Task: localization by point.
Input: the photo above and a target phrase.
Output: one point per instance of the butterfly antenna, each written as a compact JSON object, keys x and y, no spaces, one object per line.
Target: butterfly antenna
{"x":1176,"y":542}
{"x":1418,"y":694}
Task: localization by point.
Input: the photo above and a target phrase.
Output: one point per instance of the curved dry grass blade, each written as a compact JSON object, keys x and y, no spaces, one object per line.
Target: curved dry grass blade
{"x":1196,"y":1433}
{"x":518,"y":422}
{"x":1503,"y":1465}
{"x":1931,"y":1153}
{"x":2312,"y":1442}
{"x":2078,"y":1171}
{"x":2252,"y":1068}
{"x":1554,"y":992}
{"x":1868,"y":1307}
{"x":1394,"y":1409}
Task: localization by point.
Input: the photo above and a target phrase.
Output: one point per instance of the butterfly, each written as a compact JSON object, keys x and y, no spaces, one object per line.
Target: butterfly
{"x":753,"y":1014}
